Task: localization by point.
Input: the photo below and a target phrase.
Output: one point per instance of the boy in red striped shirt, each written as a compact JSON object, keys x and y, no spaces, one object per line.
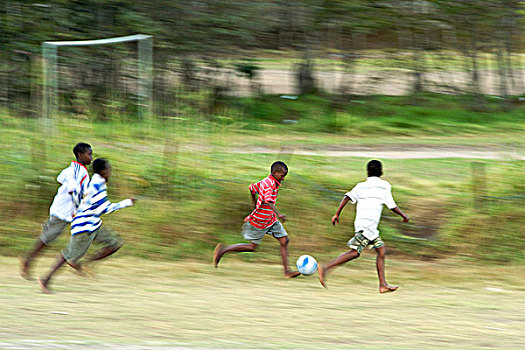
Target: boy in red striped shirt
{"x":264,"y":219}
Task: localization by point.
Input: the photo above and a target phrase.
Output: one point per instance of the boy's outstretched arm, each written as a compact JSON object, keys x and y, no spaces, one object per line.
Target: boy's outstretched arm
{"x":335,"y":218}
{"x":400,"y":213}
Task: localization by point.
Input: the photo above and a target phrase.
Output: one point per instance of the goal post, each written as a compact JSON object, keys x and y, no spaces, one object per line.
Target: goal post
{"x":50,"y":52}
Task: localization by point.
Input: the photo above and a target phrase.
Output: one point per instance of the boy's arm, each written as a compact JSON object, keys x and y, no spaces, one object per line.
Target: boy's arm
{"x":266,"y":193}
{"x":391,"y":204}
{"x":111,"y":207}
{"x":254,"y":198}
{"x":400,"y":213}
{"x":335,"y":218}
{"x":102,"y":205}
{"x":67,"y":178}
{"x":74,"y":184}
{"x":253,"y":193}
{"x":78,"y":187}
{"x":281,"y":217}
{"x":64,"y":175}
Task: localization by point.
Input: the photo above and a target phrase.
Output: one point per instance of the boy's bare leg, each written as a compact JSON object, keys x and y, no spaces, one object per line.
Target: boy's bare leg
{"x":44,"y":281}
{"x":103,"y":253}
{"x":84,"y":269}
{"x":284,"y":257}
{"x":341,"y":259}
{"x":380,"y":264}
{"x":25,"y":263}
{"x":220,"y":250}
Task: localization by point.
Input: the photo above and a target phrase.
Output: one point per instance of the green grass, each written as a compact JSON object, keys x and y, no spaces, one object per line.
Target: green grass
{"x":191,"y":180}
{"x":399,"y":116}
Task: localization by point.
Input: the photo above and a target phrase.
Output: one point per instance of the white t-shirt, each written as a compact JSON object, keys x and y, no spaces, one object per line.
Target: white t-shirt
{"x":74,"y":180}
{"x":370,"y":197}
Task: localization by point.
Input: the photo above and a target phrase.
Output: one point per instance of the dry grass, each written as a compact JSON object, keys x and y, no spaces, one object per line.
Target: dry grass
{"x":141,"y":304}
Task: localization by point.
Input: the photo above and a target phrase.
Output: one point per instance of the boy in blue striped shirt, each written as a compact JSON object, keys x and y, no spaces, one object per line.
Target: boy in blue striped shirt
{"x":86,"y":226}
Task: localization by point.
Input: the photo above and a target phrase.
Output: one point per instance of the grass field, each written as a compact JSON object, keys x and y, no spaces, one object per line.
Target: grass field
{"x":461,"y":280}
{"x":142,"y":304}
{"x":191,"y":174}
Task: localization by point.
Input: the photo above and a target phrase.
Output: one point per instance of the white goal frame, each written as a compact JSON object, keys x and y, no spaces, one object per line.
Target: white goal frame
{"x":145,"y":71}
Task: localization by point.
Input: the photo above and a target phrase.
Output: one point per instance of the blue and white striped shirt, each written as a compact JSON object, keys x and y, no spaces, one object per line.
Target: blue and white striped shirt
{"x":94,"y":205}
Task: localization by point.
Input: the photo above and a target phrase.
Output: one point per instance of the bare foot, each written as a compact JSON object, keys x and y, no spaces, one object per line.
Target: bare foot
{"x":291,"y":274}
{"x":87,"y":269}
{"x":83,"y":270}
{"x":217,"y":254}
{"x":24,"y":269}
{"x":43,"y":286}
{"x":387,"y":289}
{"x":322,"y":273}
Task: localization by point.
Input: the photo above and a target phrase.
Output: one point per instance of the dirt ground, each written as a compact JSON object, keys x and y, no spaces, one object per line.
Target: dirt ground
{"x":140,"y":304}
{"x":482,"y":149}
{"x":398,"y":151}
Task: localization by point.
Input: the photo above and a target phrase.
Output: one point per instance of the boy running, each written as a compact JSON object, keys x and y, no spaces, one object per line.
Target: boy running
{"x":87,"y":227}
{"x":370,"y":197}
{"x":264,"y":219}
{"x":74,"y":181}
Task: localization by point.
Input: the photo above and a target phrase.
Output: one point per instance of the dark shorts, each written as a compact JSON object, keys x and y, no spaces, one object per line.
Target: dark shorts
{"x":255,"y":235}
{"x":360,"y":242}
{"x":51,"y":229}
{"x":79,"y":244}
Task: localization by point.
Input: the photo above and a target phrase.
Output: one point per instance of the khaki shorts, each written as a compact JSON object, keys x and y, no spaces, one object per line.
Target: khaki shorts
{"x":79,"y":244}
{"x":255,"y":235}
{"x":360,"y":242}
{"x":51,"y":229}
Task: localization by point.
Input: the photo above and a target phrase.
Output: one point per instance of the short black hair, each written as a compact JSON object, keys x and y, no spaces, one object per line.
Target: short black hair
{"x":278,"y":166}
{"x":375,"y":168}
{"x":80,"y":147}
{"x":100,"y":164}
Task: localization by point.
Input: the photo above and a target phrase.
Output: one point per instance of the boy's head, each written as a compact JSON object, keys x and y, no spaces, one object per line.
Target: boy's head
{"x":374,"y":168}
{"x":102,"y":167}
{"x":83,"y":153}
{"x":279,"y":170}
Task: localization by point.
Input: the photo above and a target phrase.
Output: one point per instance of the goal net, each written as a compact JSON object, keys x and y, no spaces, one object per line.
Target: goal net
{"x":144,"y":74}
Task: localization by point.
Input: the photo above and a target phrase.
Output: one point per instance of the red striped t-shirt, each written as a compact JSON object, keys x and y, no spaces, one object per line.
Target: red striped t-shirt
{"x":263,"y":216}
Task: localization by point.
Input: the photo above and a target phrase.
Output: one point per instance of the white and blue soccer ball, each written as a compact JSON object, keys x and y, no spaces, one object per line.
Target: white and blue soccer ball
{"x":306,"y":264}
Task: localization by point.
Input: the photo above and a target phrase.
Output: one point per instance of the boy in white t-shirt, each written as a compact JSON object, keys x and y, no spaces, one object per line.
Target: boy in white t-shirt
{"x":74,"y":181}
{"x":370,"y":197}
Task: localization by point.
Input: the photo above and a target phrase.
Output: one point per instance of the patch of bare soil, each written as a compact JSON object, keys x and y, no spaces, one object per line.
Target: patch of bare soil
{"x":397,"y":151}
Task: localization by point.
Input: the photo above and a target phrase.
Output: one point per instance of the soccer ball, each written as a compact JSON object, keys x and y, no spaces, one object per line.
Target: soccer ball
{"x":306,"y":264}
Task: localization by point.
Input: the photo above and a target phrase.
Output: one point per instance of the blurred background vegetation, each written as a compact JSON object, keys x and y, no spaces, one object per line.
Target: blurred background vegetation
{"x":240,"y":84}
{"x":229,"y":46}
